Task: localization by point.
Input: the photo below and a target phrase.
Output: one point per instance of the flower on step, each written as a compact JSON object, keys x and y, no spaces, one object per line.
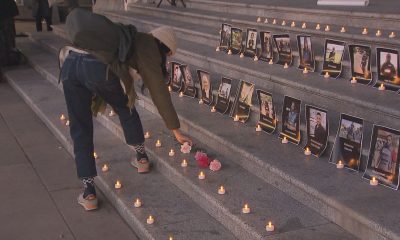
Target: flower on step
{"x":186,"y":148}
{"x":215,"y":165}
{"x":202,"y":159}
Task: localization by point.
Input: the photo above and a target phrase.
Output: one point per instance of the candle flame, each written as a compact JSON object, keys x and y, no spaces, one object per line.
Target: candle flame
{"x":270,"y":224}
{"x":373,"y":179}
{"x":246,"y":206}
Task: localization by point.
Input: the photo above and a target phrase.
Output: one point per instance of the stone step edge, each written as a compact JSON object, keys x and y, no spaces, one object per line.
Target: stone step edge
{"x":293,"y":187}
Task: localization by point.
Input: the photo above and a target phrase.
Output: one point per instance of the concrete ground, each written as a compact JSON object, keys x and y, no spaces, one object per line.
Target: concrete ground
{"x":39,"y":185}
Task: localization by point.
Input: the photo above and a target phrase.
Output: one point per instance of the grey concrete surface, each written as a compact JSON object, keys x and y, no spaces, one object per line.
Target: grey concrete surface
{"x":39,"y":183}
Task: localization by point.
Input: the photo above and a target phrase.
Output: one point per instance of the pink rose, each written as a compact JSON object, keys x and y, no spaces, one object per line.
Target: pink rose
{"x":215,"y":165}
{"x":186,"y":148}
{"x":202,"y":159}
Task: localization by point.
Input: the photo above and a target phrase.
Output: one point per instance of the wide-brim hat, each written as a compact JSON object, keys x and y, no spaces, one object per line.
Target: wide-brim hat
{"x":167,"y":36}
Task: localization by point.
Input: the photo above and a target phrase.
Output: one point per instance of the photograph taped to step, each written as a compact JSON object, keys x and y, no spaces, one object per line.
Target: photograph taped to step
{"x":317,"y":130}
{"x":251,"y":42}
{"x":206,"y":86}
{"x":236,"y":40}
{"x":383,"y":160}
{"x":283,"y":46}
{"x":224,"y":95}
{"x":267,"y":120}
{"x":333,"y":58}
{"x":225,"y":37}
{"x":243,"y":101}
{"x":360,"y":59}
{"x":348,"y":142}
{"x":388,"y":68}
{"x":306,"y":53}
{"x":189,"y":87}
{"x":291,"y":120}
{"x":267,"y":52}
{"x":176,"y":81}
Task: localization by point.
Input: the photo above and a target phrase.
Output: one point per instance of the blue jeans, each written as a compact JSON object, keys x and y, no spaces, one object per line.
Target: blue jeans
{"x":84,"y":76}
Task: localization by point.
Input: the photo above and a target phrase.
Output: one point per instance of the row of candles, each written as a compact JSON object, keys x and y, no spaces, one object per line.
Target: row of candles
{"x":327,"y":27}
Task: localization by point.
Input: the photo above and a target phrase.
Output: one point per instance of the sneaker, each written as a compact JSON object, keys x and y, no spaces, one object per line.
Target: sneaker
{"x":143,"y":165}
{"x":89,"y":203}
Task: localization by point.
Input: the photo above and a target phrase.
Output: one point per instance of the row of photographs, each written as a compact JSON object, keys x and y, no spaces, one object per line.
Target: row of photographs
{"x":260,"y":44}
{"x":383,"y":162}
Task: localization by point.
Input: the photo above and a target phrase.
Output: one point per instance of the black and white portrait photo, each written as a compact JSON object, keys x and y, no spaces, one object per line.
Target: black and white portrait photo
{"x":267,"y":111}
{"x":360,"y":58}
{"x":251,"y":42}
{"x":206,"y":87}
{"x":266,"y":46}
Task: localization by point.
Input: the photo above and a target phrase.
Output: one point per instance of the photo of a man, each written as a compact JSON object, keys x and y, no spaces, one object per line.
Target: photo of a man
{"x":282,"y":43}
{"x":224,"y":94}
{"x":388,"y":69}
{"x":176,"y":78}
{"x":291,"y":119}
{"x":189,"y":88}
{"x":334,"y":51}
{"x":251,"y":40}
{"x":266,"y":46}
{"x":351,"y":131}
{"x":205,"y":84}
{"x":266,"y":106}
{"x":246,"y":93}
{"x":317,"y":130}
{"x":225,"y":35}
{"x":224,"y":90}
{"x":236,"y":40}
{"x":267,"y":120}
{"x":305,"y":53}
{"x":360,"y":58}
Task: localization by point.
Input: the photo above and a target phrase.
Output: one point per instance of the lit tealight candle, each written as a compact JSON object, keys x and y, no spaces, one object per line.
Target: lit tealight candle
{"x":171,"y":153}
{"x":284,"y":140}
{"x":118,"y":185}
{"x":274,"y":21}
{"x":213,"y":110}
{"x":111,"y":114}
{"x":304,"y":26}
{"x":307,"y":152}
{"x":327,"y":28}
{"x":202,"y":176}
{"x":104,"y":168}
{"x":270,"y":227}
{"x":230,"y":52}
{"x":241,"y":55}
{"x":283,"y":23}
{"x":221,"y":190}
{"x":340,"y":165}
{"x":381,"y":87}
{"x":201,"y":101}
{"x":305,"y":71}
{"x":170,"y":238}
{"x":255,"y":59}
{"x":184,"y":163}
{"x":95,"y":155}
{"x":293,"y":24}
{"x":236,"y":118}
{"x":170,"y":88}
{"x":246,"y":209}
{"x":285,"y":66}
{"x":392,"y":35}
{"x":158,"y":143}
{"x":180,"y":94}
{"x":326,"y":75}
{"x":217,"y":49}
{"x":150,"y":220}
{"x":373,"y":182}
{"x":318,"y":27}
{"x":62,"y":117}
{"x":147,"y":135}
{"x":343,"y":30}
{"x":258,"y":128}
{"x":137,"y":203}
{"x":270,"y":62}
{"x":365,"y":31}
{"x":353,"y":80}
{"x":266,"y":20}
{"x":378,"y":33}
{"x":259,"y":19}
{"x":67,"y":123}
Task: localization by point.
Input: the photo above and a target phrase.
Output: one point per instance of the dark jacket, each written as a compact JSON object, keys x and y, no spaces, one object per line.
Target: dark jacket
{"x":8,"y":9}
{"x":40,"y":8}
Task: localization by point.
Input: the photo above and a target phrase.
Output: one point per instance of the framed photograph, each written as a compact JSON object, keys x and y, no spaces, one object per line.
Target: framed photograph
{"x":348,"y":143}
{"x":333,"y":57}
{"x":383,"y":160}
{"x":243,"y":101}
{"x":225,"y":38}
{"x":317,"y":130}
{"x":224,"y":94}
{"x":189,"y":88}
{"x":267,"y":111}
{"x":282,"y":43}
{"x":205,"y":86}
{"x":251,"y":42}
{"x":267,"y":52}
{"x":176,"y":81}
{"x":387,"y":61}
{"x":236,"y":40}
{"x":306,"y":53}
{"x":360,"y":59}
{"x":291,"y":120}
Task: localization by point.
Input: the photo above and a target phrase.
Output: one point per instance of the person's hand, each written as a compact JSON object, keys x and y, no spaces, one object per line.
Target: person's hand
{"x":181,"y":137}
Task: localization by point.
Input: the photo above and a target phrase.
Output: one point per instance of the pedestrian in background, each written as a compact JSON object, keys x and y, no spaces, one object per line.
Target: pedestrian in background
{"x":41,"y":10}
{"x":8,"y":53}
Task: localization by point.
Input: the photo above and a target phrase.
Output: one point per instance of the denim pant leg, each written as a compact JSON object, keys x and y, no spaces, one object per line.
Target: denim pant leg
{"x":107,"y":85}
{"x":79,"y":99}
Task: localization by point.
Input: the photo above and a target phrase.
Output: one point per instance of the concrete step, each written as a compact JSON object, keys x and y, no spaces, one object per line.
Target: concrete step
{"x":295,"y":219}
{"x":210,"y":18}
{"x":371,"y":17}
{"x":315,"y":183}
{"x":174,"y":212}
